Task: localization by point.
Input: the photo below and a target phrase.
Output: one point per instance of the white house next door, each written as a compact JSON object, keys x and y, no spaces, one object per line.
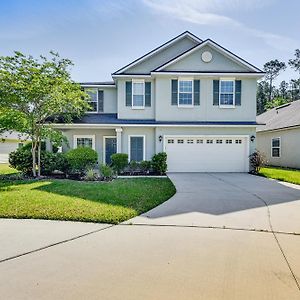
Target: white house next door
{"x":207,"y":153}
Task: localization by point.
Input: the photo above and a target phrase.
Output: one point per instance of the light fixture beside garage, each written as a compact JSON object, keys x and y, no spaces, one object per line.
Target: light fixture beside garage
{"x":252,"y":138}
{"x":160,"y":138}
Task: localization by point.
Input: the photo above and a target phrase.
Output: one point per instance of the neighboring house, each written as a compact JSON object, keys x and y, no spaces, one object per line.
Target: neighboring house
{"x":9,"y":142}
{"x":279,"y":139}
{"x":191,"y":98}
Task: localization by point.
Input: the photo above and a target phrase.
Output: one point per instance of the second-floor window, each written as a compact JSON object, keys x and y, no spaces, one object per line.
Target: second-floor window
{"x":185,"y":92}
{"x":138,"y":94}
{"x":93,"y":101}
{"x":227,"y":90}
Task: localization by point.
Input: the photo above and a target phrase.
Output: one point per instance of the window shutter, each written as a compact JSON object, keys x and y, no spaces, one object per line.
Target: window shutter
{"x":216,"y":92}
{"x":174,"y":92}
{"x":238,"y":92}
{"x":196,"y":92}
{"x":148,"y":94}
{"x":128,"y":93}
{"x":100,"y":101}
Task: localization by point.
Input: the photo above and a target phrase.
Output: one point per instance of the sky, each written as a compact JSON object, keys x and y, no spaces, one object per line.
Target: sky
{"x":103,"y":36}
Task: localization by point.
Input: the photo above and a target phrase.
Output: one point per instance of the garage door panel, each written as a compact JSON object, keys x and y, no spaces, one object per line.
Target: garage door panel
{"x":217,"y":154}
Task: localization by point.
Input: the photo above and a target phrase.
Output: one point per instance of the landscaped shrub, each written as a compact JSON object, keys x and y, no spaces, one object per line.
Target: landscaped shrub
{"x":257,"y":161}
{"x":159,"y":163}
{"x":145,"y":166}
{"x":134,"y":167}
{"x":106,"y":172}
{"x":90,"y":175}
{"x":119,"y":162}
{"x":21,"y":159}
{"x":81,"y":159}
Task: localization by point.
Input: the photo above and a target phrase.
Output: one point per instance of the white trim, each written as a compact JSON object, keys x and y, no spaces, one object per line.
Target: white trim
{"x":277,"y":129}
{"x":273,"y":138}
{"x":144,"y":145}
{"x":132,"y":94}
{"x":217,"y":47}
{"x":82,"y":136}
{"x":104,"y":145}
{"x":185,"y":105}
{"x":98,"y":85}
{"x":204,"y":136}
{"x":113,"y":126}
{"x":227,"y":105}
{"x":131,"y":76}
{"x":159,"y":48}
{"x":209,"y":75}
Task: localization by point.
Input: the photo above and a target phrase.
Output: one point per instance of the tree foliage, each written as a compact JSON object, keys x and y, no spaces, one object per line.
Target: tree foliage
{"x":35,"y":93}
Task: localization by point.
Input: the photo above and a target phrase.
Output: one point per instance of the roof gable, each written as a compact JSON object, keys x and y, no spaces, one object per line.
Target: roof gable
{"x":163,"y":53}
{"x":222,"y":60}
{"x":284,"y":116}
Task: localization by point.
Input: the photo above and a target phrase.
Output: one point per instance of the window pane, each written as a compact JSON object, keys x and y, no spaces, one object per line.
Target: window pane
{"x":186,"y":99}
{"x":226,"y":86}
{"x":275,"y":143}
{"x":226,"y":99}
{"x":84,"y":142}
{"x":138,"y":88}
{"x":93,"y":101}
{"x":185,"y":86}
{"x":138,"y":100}
{"x":137,"y":148}
{"x":275,"y":152}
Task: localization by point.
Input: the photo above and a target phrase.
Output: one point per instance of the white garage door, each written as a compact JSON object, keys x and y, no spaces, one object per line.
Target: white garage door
{"x":207,"y":154}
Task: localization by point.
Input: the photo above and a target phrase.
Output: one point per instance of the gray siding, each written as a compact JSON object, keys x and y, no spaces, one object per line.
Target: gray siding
{"x":193,"y":62}
{"x":206,"y":111}
{"x":110,"y":100}
{"x":290,"y":145}
{"x":161,"y":57}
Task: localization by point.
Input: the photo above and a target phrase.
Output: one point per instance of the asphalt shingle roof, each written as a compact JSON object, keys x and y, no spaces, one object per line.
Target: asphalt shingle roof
{"x":287,"y":115}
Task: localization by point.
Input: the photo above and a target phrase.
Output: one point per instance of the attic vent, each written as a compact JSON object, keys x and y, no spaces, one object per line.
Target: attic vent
{"x":283,"y":105}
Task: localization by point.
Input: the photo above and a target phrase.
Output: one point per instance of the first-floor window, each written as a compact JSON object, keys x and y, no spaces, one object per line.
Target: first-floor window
{"x":84,"y":142}
{"x":137,"y":151}
{"x":185,"y":92}
{"x":93,"y":101}
{"x":227,"y":92}
{"x":138,"y":94}
{"x":276,"y":147}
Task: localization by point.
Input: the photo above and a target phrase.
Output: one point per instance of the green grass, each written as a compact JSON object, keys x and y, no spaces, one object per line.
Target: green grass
{"x":105,"y":202}
{"x":288,"y":175}
{"x":6,"y":169}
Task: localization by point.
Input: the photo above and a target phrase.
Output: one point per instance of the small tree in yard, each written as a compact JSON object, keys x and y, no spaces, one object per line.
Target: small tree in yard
{"x":34,"y":93}
{"x":257,"y":161}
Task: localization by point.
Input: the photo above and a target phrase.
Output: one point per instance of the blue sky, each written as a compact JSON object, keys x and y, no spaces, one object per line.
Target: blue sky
{"x":102,"y":36}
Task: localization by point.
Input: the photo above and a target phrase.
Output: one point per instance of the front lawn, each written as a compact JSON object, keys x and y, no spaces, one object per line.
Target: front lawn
{"x":6,"y":169}
{"x":105,"y":202}
{"x":288,"y":175}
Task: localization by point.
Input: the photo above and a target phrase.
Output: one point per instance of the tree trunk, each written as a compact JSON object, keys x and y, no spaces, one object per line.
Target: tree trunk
{"x":39,"y":157}
{"x":33,"y":151}
{"x":270,"y":92}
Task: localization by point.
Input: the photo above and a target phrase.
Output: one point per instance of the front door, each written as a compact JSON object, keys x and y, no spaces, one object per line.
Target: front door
{"x":110,"y":148}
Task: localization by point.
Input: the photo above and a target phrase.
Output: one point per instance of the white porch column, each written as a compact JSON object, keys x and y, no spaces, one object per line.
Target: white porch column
{"x":119,"y":139}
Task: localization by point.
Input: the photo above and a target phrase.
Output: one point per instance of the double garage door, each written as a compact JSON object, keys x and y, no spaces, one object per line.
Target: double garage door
{"x":207,"y":154}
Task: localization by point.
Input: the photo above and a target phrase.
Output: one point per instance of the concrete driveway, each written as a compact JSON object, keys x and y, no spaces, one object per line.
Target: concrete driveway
{"x":222,"y":236}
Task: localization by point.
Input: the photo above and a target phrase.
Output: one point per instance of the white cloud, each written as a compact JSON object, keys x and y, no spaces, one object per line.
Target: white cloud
{"x":215,"y":13}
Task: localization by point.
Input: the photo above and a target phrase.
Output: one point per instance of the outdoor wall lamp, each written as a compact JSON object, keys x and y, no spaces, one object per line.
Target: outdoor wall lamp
{"x":160,"y":138}
{"x":252,"y":138}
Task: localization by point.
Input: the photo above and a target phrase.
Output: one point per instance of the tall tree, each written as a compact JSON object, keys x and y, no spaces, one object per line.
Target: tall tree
{"x":263,"y":89}
{"x":295,"y":64}
{"x":283,"y":89}
{"x":34,"y":93}
{"x":272,"y":69}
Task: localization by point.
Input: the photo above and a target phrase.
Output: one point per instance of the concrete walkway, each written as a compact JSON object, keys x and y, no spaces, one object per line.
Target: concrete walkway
{"x":222,"y":236}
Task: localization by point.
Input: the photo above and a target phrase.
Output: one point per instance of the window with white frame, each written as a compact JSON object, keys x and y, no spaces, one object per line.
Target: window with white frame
{"x":185,"y":92}
{"x":138,"y":93}
{"x":227,"y":88}
{"x":276,"y":147}
{"x":81,"y":141}
{"x":137,"y":148}
{"x":93,"y":100}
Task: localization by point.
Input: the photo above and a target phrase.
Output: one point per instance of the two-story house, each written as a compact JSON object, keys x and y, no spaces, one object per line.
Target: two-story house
{"x":191,"y":98}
